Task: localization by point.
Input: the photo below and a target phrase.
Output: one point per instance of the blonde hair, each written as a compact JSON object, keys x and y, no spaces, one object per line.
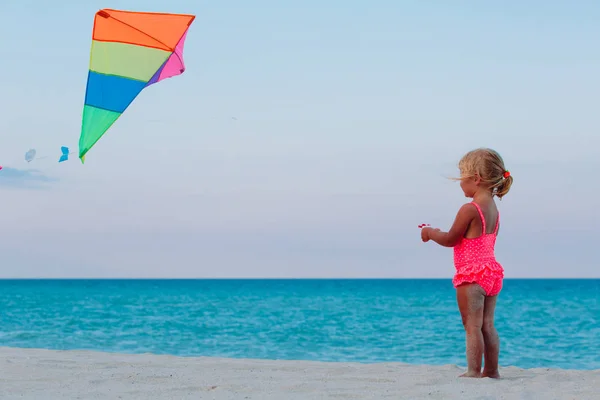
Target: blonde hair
{"x":489,"y":167}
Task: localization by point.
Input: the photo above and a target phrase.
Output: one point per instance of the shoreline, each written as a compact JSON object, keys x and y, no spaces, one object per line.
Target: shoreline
{"x":65,"y":374}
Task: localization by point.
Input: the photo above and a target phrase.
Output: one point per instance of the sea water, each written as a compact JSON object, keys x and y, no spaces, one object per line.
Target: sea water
{"x":542,"y":323}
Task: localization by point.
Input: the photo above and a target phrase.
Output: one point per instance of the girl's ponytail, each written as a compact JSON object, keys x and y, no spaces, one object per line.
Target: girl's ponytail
{"x":504,"y":185}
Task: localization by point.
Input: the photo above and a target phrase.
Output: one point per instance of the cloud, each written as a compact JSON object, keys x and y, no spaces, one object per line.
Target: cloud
{"x":24,"y":178}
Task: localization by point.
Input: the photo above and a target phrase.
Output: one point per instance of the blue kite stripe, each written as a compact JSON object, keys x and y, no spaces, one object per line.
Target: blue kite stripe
{"x":111,"y":92}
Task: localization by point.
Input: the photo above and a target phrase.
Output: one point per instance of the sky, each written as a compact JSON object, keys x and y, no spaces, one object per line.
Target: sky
{"x":305,"y":139}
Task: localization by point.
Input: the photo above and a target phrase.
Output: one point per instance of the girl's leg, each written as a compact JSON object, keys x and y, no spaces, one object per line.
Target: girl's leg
{"x":471,"y":299}
{"x":491,"y":339}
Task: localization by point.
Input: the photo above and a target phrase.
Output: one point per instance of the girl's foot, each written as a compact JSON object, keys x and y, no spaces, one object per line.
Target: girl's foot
{"x":491,"y":374}
{"x":471,"y":374}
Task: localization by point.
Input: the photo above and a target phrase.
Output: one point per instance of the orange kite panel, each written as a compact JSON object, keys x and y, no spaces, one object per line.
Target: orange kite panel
{"x":157,"y":30}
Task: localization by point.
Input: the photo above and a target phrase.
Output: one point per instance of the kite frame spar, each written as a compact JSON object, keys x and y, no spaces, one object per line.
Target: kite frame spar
{"x":130,"y":51}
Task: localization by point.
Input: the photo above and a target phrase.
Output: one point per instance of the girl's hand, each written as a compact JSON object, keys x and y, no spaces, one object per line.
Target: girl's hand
{"x":425,"y":233}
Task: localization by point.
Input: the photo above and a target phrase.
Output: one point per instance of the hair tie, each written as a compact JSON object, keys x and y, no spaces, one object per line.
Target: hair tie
{"x":506,"y":174}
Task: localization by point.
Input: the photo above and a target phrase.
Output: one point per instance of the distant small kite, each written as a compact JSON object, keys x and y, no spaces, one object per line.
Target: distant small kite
{"x":65,"y":154}
{"x":30,"y":155}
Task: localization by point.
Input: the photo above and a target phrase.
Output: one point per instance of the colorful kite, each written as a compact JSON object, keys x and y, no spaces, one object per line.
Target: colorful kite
{"x":130,"y":51}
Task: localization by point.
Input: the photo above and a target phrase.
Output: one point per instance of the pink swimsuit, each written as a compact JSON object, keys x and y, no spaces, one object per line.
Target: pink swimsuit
{"x":475,"y":261}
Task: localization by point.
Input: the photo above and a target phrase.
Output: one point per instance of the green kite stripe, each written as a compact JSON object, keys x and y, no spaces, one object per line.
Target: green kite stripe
{"x":95,"y":122}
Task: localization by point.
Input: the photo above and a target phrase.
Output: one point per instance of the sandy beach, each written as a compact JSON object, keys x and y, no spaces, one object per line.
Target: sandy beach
{"x":35,"y":374}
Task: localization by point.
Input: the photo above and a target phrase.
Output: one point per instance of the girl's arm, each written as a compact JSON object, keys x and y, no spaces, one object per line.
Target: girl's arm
{"x":465,"y":215}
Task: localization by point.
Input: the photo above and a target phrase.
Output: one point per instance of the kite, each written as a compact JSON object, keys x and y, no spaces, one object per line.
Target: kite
{"x":30,"y":155}
{"x":130,"y":51}
{"x":65,"y":154}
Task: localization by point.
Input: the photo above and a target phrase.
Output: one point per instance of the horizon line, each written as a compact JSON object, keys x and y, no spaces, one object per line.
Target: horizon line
{"x":274,"y":278}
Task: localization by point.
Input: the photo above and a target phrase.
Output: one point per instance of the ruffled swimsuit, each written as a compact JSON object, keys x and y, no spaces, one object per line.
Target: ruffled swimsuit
{"x":475,"y":261}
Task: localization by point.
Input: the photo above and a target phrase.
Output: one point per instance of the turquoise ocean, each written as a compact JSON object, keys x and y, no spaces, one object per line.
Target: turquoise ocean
{"x":551,"y":323}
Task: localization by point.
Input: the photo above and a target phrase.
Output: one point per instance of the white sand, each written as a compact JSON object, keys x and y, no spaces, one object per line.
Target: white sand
{"x":44,"y":374}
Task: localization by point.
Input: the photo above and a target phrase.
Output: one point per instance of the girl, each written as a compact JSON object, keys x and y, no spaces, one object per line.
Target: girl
{"x":478,"y":278}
